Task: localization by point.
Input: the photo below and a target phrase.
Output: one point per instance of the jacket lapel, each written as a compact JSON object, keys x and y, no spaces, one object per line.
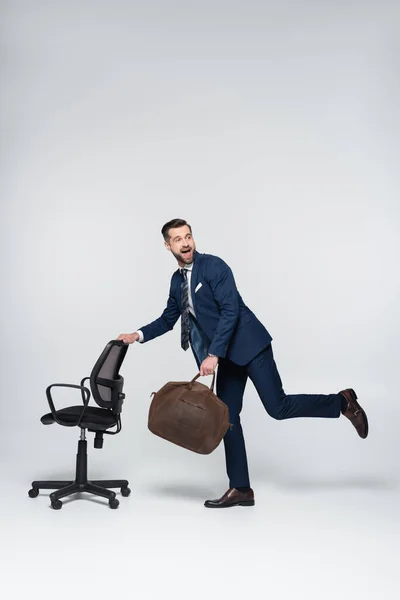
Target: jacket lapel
{"x":195,"y":277}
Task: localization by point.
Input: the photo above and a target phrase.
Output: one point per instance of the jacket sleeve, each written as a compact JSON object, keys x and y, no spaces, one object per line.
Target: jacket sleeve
{"x":165,"y":322}
{"x":226,"y":297}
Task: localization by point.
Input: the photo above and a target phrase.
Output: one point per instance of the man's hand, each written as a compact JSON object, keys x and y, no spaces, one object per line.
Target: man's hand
{"x":208,"y":365}
{"x":129,"y":338}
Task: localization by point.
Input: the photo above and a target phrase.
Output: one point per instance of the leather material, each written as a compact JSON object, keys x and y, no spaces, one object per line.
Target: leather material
{"x":355,"y":413}
{"x":232,"y":497}
{"x":189,"y":415}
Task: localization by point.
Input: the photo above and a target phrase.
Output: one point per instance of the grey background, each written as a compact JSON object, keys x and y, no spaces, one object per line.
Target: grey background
{"x":273,"y":129}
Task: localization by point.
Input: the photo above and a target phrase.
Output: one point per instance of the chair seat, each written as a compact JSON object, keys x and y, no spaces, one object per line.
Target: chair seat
{"x":94,"y":418}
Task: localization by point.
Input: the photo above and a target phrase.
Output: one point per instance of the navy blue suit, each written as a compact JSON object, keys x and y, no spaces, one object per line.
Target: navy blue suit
{"x":226,"y":327}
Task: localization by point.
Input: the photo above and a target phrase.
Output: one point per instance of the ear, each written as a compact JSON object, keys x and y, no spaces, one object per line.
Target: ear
{"x":168,"y":247}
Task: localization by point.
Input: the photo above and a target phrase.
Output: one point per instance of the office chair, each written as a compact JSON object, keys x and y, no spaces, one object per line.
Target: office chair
{"x":106,"y":385}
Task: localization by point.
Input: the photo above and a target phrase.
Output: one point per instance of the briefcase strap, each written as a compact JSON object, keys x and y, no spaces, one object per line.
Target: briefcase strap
{"x":197,"y":376}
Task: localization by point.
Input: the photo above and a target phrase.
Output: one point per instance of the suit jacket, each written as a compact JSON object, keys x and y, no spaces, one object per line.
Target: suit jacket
{"x":228,"y":326}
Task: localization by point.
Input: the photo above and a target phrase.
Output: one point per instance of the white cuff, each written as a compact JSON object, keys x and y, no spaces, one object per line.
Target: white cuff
{"x":141,"y":336}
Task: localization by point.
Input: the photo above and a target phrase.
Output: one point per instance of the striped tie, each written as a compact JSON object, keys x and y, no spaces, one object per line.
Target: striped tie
{"x":185,"y":326}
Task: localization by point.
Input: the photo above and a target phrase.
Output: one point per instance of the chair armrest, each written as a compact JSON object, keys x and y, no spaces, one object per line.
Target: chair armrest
{"x":85,"y":397}
{"x":82,"y":385}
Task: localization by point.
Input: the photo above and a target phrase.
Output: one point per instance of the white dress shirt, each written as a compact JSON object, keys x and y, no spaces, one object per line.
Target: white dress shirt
{"x":188,"y":268}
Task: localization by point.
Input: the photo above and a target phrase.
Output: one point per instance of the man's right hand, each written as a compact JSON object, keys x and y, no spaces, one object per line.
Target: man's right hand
{"x":129,"y":338}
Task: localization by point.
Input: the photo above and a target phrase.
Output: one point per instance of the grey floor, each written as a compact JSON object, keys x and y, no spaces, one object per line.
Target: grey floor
{"x":303,"y":539}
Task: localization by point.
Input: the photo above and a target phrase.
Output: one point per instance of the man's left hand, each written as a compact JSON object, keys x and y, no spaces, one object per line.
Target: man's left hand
{"x":208,"y":365}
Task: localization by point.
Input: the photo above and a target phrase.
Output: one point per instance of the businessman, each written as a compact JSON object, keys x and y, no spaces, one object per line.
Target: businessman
{"x":221,"y":330}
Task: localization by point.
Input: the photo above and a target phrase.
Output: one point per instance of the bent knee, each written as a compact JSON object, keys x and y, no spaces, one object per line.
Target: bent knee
{"x":276,"y":413}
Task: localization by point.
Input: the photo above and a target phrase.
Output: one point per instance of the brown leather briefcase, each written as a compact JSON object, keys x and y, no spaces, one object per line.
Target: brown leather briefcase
{"x":189,"y":414}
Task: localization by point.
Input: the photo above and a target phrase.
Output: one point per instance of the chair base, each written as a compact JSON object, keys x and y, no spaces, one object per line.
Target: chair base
{"x":81,"y":484}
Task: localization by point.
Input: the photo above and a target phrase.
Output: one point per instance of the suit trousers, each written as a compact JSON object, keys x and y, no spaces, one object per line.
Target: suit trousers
{"x":262,"y":371}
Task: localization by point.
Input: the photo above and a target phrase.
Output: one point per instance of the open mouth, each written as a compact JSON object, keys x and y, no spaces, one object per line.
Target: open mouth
{"x":186,"y":252}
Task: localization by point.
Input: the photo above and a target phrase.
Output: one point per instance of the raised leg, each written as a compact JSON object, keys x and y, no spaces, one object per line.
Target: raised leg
{"x":263,"y":372}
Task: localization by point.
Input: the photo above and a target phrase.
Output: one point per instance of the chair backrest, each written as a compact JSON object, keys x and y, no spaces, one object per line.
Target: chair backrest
{"x":105,"y":381}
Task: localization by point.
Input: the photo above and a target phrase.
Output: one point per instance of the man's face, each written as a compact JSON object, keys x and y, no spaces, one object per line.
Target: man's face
{"x":181,"y":244}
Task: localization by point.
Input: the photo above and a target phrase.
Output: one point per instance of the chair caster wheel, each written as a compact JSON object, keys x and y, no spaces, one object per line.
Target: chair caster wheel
{"x":125,"y":491}
{"x":56,"y":504}
{"x":114,"y":503}
{"x":33,"y":493}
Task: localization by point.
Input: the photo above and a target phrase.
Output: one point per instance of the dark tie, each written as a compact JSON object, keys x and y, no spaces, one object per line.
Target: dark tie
{"x":185,"y":325}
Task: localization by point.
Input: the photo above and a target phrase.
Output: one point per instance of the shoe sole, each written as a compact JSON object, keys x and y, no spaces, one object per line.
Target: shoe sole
{"x":354,"y":397}
{"x":242,"y":503}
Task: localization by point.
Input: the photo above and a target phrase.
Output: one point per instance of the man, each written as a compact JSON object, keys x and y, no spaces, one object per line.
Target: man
{"x":223,"y":331}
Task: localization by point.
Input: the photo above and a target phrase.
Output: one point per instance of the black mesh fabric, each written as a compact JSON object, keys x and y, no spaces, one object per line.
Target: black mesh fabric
{"x":107,"y":367}
{"x":106,"y":386}
{"x":105,"y":393}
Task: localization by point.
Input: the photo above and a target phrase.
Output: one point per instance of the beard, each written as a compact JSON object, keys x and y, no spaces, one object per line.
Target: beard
{"x":185,"y":258}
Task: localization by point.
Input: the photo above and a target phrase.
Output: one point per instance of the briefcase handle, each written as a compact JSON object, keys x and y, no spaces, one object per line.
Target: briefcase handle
{"x":197,"y":376}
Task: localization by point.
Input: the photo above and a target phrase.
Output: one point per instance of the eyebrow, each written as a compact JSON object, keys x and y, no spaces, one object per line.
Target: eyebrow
{"x":178,"y":236}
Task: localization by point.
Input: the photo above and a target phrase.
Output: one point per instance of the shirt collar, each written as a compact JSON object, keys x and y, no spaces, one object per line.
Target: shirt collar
{"x":186,"y":267}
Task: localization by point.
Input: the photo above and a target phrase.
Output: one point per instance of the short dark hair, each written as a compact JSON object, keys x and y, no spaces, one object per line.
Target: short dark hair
{"x":172,"y":225}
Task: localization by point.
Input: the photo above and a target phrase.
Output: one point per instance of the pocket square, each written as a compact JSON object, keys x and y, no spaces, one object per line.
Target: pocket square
{"x":198,"y":286}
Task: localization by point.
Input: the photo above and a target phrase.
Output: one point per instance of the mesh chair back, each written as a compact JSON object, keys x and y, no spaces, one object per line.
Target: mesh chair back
{"x":105,"y":381}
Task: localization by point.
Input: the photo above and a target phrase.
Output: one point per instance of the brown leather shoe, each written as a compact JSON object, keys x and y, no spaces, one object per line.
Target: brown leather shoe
{"x":355,"y":413}
{"x":232,"y":497}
